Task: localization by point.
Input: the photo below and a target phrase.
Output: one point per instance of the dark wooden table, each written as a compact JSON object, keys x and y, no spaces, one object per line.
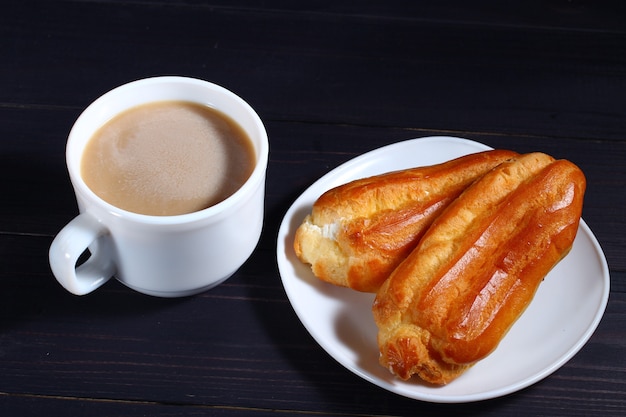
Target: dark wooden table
{"x":331,"y":80}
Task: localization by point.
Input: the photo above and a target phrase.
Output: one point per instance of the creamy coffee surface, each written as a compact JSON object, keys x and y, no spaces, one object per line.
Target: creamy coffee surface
{"x":167,"y":158}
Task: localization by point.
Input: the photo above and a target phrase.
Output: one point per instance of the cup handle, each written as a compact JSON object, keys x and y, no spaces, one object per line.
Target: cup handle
{"x":71,"y":242}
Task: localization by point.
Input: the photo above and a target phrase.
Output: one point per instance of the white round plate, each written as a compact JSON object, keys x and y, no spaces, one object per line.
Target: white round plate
{"x":566,"y":309}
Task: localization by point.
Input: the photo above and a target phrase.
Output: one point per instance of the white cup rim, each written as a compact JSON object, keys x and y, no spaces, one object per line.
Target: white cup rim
{"x":247,"y":189}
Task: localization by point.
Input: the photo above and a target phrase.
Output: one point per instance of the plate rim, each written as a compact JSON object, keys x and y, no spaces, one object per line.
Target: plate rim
{"x":341,"y":170}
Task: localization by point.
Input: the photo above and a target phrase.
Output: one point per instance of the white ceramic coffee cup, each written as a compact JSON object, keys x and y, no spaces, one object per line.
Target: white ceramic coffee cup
{"x":167,"y":256}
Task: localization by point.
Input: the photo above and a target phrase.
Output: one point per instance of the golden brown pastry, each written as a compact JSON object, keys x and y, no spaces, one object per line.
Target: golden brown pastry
{"x":477,"y":268}
{"x":359,"y":232}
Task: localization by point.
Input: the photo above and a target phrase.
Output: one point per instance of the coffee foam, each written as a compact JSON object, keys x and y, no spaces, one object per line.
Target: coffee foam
{"x":167,"y":158}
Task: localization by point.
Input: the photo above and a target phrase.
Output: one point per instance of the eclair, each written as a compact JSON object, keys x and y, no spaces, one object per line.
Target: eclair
{"x":358,"y":233}
{"x":477,"y":268}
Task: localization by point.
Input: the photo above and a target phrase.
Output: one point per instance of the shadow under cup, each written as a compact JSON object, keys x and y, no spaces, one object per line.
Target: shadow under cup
{"x":167,"y":256}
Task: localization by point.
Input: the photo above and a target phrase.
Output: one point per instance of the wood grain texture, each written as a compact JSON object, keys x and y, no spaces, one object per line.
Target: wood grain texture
{"x":331,"y":80}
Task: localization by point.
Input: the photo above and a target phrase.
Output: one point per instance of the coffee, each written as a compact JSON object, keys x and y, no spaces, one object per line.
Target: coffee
{"x":167,"y":158}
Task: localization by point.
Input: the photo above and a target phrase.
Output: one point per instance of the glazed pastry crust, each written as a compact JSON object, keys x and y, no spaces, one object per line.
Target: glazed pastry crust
{"x":358,"y":233}
{"x":477,"y":268}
